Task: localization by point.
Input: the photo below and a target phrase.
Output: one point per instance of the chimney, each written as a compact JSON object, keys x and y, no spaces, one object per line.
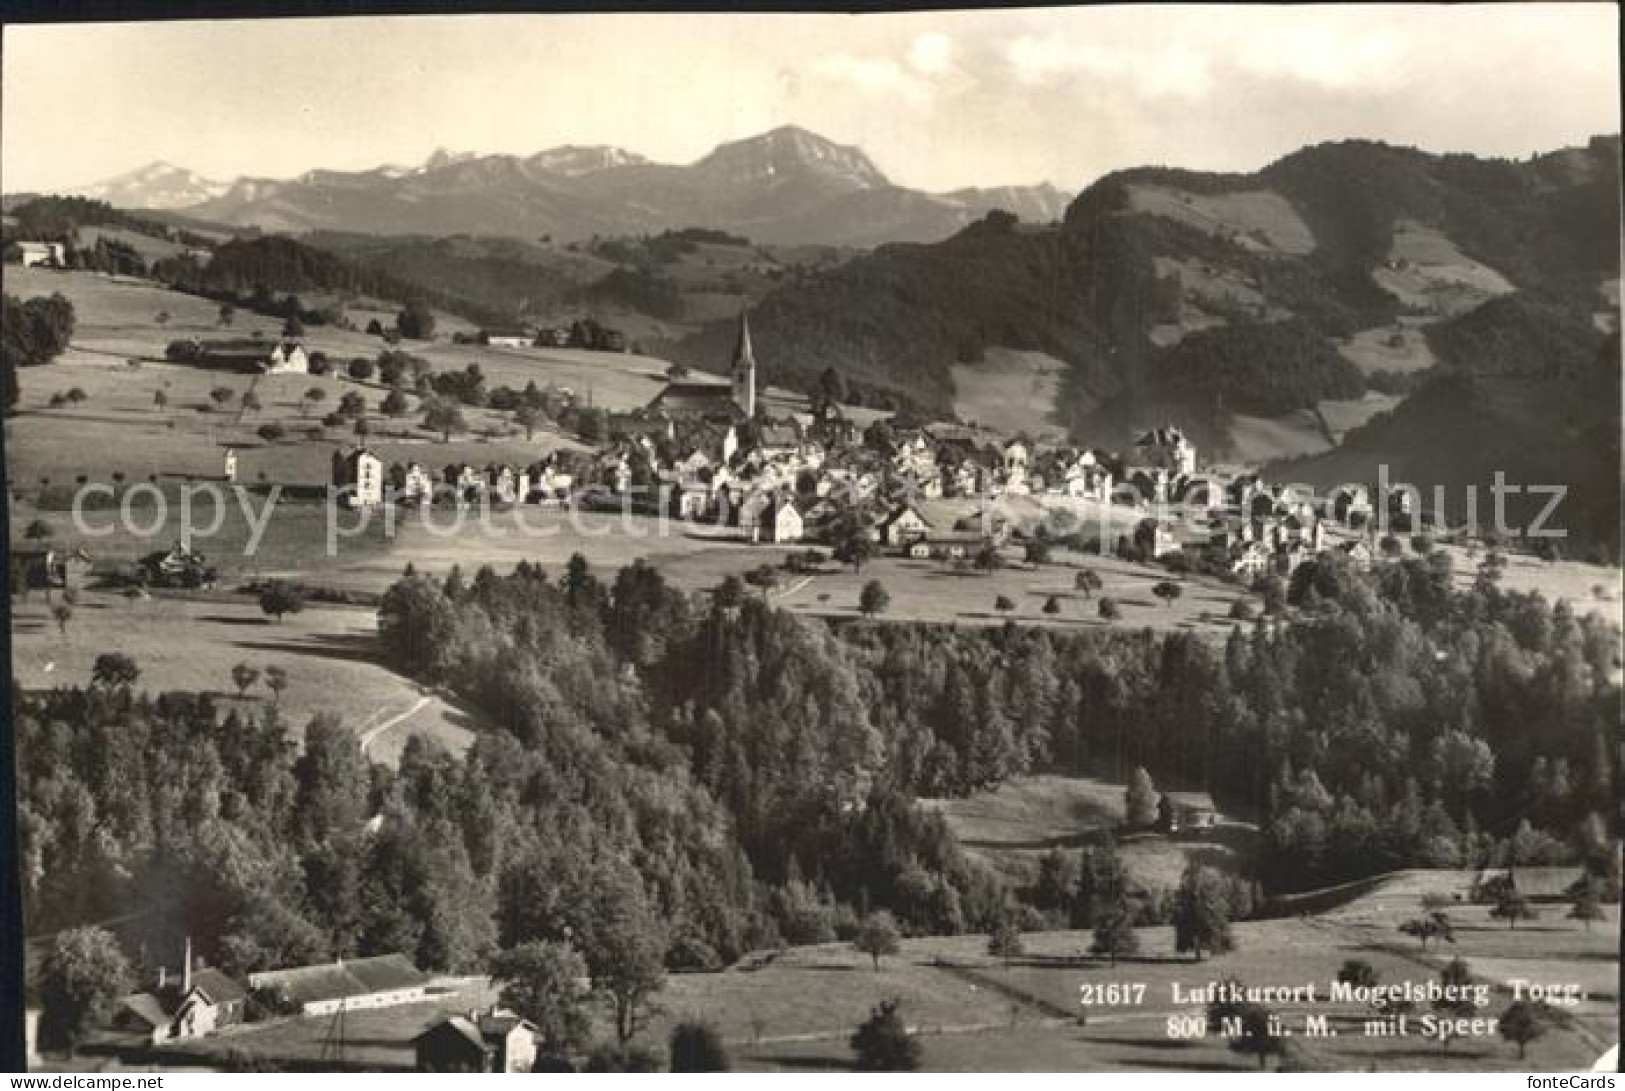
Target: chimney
{"x":186,"y":973}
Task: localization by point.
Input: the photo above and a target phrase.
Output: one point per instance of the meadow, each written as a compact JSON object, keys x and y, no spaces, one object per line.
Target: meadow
{"x":794,"y":1009}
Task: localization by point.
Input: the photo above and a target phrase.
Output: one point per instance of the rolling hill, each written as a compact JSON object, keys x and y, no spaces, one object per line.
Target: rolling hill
{"x":1221,"y":298}
{"x":785,"y":186}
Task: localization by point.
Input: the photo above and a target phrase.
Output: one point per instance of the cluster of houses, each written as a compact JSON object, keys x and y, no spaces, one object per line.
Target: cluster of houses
{"x":197,"y":1001}
{"x":580,"y":335}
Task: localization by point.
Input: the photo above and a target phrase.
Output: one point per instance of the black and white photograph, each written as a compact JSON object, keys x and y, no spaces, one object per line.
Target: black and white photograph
{"x":1071,"y":539}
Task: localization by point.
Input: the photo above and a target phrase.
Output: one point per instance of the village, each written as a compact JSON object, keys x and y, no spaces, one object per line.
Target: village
{"x":709,"y":452}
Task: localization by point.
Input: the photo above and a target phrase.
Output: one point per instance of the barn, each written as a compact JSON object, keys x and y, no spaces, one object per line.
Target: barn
{"x":379,"y":982}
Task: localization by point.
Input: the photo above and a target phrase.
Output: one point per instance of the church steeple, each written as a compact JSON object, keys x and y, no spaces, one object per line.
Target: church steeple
{"x":744,"y":369}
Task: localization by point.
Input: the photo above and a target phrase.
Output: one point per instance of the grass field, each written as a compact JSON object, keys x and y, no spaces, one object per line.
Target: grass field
{"x":1400,"y":349}
{"x":1013,"y":826}
{"x":935,"y":591}
{"x":1010,"y":391}
{"x":1260,"y":220}
{"x":329,"y":653}
{"x":977,"y":1013}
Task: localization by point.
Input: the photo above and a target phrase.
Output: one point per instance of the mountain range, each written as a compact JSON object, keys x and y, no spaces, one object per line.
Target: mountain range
{"x":784,"y":186}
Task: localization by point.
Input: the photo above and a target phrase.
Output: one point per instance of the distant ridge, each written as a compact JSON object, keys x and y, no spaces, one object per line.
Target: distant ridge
{"x":788,"y":185}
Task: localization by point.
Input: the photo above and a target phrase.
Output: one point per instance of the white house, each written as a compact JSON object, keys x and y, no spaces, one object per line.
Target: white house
{"x":358,"y":477}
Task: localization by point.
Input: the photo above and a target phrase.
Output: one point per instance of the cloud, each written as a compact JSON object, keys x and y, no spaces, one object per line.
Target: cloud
{"x":931,"y":54}
{"x":1322,"y":56}
{"x":873,"y":76}
{"x":1177,"y":70}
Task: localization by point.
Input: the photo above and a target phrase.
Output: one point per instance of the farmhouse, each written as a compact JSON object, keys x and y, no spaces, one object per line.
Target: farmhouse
{"x":497,"y":1041}
{"x":358,"y":477}
{"x":188,"y":1005}
{"x":178,"y":566}
{"x":49,"y":254}
{"x":380,"y":982}
{"x":266,"y":357}
{"x":1165,"y":448}
{"x":42,"y":565}
{"x":904,"y":525}
{"x":771,"y":518}
{"x":1186,"y":810}
{"x":511,"y":337}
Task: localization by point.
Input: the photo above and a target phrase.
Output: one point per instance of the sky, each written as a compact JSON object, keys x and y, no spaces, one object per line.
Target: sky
{"x":939,"y":100}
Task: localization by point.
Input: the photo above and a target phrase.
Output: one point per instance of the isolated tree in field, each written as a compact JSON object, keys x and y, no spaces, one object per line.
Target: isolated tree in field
{"x":249,"y":402}
{"x":1052,"y":605}
{"x":1513,"y":907}
{"x":395,"y":404}
{"x":877,"y":936}
{"x":1358,"y":973}
{"x":1003,"y":604}
{"x":1087,"y":581}
{"x":160,"y":400}
{"x":444,"y":417}
{"x":220,"y":395}
{"x":1004,"y":941}
{"x":1038,"y":551}
{"x":82,"y":973}
{"x":228,"y":314}
{"x":416,"y":321}
{"x":162,"y":318}
{"x":62,"y":613}
{"x":279,"y":599}
{"x":1526,"y":1021}
{"x":1108,"y":608}
{"x":1587,"y":902}
{"x":530,"y":418}
{"x":313,"y":398}
{"x":1140,"y":799}
{"x":1435,"y":925}
{"x":361,"y":369}
{"x":271,"y":433}
{"x":1455,"y":999}
{"x":988,"y":558}
{"x":39,"y":531}
{"x":542,"y":981}
{"x":276,"y":680}
{"x":1114,"y":930}
{"x":352,"y":404}
{"x":882,"y":1042}
{"x":1258,"y":1036}
{"x":874,"y":599}
{"x":1167,"y":591}
{"x":697,"y":1047}
{"x":243,"y":676}
{"x":113,"y":670}
{"x":1202,"y":913}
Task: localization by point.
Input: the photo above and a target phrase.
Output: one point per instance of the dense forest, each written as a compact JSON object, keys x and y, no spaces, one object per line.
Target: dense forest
{"x":745,"y":778}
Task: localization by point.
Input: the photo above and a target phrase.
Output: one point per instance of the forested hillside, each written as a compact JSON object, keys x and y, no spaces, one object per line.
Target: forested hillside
{"x":709,"y":776}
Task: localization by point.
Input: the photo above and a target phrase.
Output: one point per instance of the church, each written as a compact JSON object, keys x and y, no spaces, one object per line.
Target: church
{"x":729,"y":402}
